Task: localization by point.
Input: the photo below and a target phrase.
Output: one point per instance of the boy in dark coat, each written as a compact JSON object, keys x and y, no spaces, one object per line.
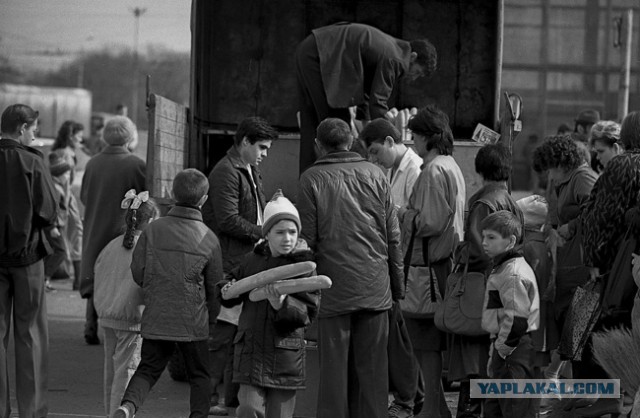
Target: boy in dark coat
{"x":177,"y":262}
{"x":269,"y":360}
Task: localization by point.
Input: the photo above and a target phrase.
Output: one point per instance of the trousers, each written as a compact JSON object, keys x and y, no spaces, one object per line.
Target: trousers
{"x":353,"y":365}
{"x":258,"y":402}
{"x":22,"y":294}
{"x":121,"y":359}
{"x":155,"y":356}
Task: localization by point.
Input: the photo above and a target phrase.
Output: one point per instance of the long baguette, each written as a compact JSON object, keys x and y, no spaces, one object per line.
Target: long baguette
{"x":268,"y":276}
{"x":286,"y":287}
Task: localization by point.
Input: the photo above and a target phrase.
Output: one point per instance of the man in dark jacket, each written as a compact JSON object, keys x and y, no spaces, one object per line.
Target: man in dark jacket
{"x":349,"y":220}
{"x":350,"y":64}
{"x":234,"y":213}
{"x":107,"y":177}
{"x":29,"y":204}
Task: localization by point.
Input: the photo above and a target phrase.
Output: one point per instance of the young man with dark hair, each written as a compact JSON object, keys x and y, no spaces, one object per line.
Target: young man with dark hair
{"x":349,"y":220}
{"x":29,"y":205}
{"x":385,"y":148}
{"x":351,"y":64}
{"x":234,"y":213}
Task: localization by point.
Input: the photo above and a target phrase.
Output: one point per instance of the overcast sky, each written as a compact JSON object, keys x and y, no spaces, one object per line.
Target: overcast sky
{"x":45,"y":32}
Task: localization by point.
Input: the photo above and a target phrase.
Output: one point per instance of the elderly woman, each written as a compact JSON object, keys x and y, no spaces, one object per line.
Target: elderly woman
{"x":605,"y":141}
{"x":573,"y":180}
{"x":468,"y":356}
{"x":108,"y":176}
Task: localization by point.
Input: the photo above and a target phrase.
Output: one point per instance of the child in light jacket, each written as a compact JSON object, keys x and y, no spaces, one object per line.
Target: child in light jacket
{"x":511,"y":312}
{"x":269,"y":357}
{"x":118,"y":299}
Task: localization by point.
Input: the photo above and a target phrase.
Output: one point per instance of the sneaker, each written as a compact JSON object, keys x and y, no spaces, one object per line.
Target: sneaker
{"x":399,"y":411}
{"x":218,"y":410}
{"x":127,"y":410}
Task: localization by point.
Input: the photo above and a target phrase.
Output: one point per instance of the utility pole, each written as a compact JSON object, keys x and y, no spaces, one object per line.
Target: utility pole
{"x":626,"y":37}
{"x":137,"y":12}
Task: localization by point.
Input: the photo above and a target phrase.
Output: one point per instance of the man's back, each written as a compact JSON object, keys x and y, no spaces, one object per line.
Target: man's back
{"x":177,"y":261}
{"x":349,"y":220}
{"x":29,"y":203}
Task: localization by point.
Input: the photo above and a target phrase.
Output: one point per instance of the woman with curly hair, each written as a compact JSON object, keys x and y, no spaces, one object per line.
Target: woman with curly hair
{"x":573,"y":180}
{"x":69,"y":136}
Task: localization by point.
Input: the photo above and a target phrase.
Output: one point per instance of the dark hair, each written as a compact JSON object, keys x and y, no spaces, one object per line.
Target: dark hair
{"x":15,"y":115}
{"x":254,"y":129}
{"x":334,"y":134}
{"x":133,"y":218}
{"x":493,"y":162}
{"x":559,"y":151}
{"x":377,"y":130}
{"x":630,"y":131}
{"x":427,"y":55}
{"x":189,"y":186}
{"x":67,"y":130}
{"x":503,"y":222}
{"x":433,"y":124}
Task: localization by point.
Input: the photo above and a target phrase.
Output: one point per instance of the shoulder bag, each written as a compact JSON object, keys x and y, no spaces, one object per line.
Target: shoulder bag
{"x":461,"y":309}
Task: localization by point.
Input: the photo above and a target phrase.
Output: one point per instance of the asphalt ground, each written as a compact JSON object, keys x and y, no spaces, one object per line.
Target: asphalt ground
{"x":76,"y":369}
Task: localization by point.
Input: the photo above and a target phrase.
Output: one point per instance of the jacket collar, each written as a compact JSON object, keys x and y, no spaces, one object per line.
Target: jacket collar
{"x":13,"y":143}
{"x":339,"y":157}
{"x":116,"y":149}
{"x":407,"y":159}
{"x":571,"y":174}
{"x":236,"y":159}
{"x":490,"y":187}
{"x":185,"y":212}
{"x":503,"y":258}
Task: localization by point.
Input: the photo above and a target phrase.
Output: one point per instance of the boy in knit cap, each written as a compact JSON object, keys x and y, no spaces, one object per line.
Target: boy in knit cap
{"x":269,"y":361}
{"x":177,"y":262}
{"x":60,"y":171}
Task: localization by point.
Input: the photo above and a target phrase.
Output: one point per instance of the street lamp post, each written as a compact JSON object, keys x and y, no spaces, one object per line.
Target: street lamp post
{"x":137,"y":12}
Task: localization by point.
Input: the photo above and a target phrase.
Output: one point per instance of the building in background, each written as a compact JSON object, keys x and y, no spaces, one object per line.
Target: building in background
{"x":559,"y":55}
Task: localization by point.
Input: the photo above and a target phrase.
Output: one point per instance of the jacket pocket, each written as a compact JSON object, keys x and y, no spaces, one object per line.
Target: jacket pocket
{"x":289,"y":357}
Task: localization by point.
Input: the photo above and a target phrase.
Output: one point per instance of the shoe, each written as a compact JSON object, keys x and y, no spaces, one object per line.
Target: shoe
{"x":218,"y":410}
{"x":92,"y":339}
{"x":126,"y":410}
{"x":399,"y":411}
{"x":47,"y":286}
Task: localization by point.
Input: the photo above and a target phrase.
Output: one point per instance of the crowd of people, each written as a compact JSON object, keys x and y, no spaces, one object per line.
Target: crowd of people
{"x":389,"y":225}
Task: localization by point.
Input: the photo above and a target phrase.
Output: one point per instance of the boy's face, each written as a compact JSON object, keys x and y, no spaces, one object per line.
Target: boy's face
{"x":282,"y":237}
{"x":495,"y":244}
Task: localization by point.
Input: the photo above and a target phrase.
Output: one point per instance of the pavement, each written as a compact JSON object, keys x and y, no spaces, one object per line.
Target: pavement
{"x":75,"y":370}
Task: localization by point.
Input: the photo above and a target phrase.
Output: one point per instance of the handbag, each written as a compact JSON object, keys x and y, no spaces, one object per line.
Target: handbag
{"x":582,"y":315}
{"x":422,"y":294}
{"x":461,"y":309}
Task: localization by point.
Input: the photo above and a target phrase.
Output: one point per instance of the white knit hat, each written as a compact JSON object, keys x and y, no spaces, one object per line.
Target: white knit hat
{"x":279,"y":208}
{"x":534,"y":208}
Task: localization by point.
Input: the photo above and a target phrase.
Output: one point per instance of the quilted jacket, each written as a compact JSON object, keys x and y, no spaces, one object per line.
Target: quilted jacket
{"x":177,"y":263}
{"x":269,"y":345}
